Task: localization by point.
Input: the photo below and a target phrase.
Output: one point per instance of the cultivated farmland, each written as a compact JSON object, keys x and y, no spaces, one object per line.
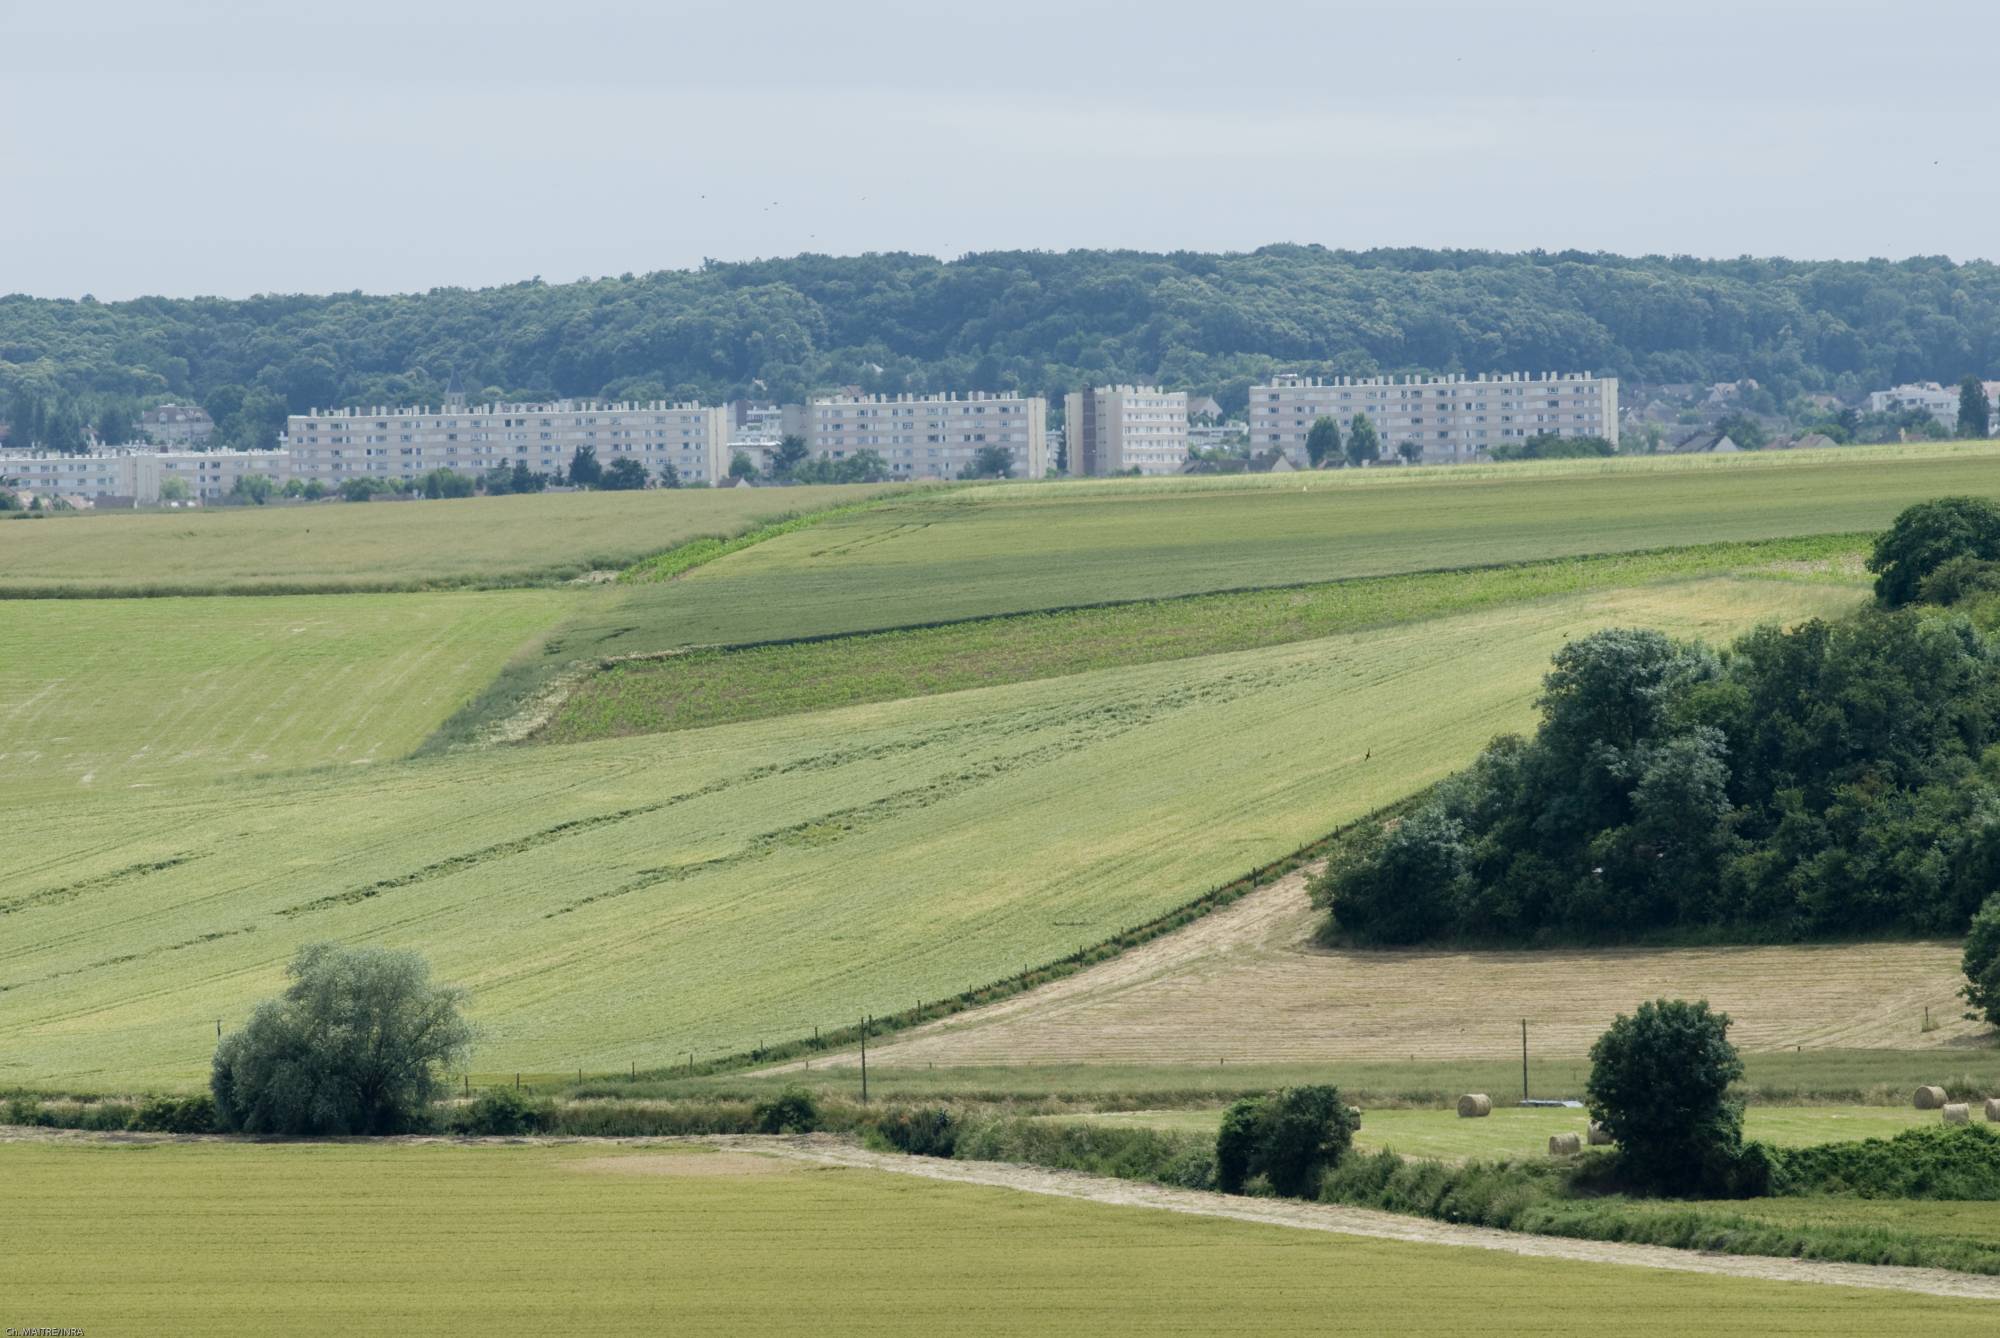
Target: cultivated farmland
{"x":1247,"y":986}
{"x":469,"y":1239}
{"x":110,"y":693}
{"x":978,"y":552}
{"x":346,"y":546}
{"x":627,"y":902}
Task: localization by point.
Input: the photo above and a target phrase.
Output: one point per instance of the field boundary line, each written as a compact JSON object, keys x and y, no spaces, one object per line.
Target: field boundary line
{"x":1056,"y":610}
{"x":1373,"y":1223}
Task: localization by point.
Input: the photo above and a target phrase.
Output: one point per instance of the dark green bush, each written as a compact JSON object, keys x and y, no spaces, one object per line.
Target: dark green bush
{"x":1289,"y":1138}
{"x":502,"y":1112}
{"x":1659,"y":1083}
{"x":618,"y":1119}
{"x":1939,"y":1162}
{"x":792,"y":1111}
{"x":1122,"y":1151}
{"x":1927,"y":536}
{"x":176,"y":1115}
{"x":921,"y":1131}
{"x":26,"y":1110}
{"x":1959,"y":578}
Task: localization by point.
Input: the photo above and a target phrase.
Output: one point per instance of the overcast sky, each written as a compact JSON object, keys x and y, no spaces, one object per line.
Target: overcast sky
{"x":180,"y":147}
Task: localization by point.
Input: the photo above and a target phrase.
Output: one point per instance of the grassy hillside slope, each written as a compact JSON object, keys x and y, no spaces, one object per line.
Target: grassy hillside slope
{"x":341,"y":546}
{"x":117,"y":692}
{"x":979,"y":552}
{"x":626,"y":902}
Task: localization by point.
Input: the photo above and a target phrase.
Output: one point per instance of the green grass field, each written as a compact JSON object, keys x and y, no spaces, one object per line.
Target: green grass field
{"x":985,"y":551}
{"x":109,"y":693}
{"x":720,"y":685}
{"x":342,"y":546}
{"x":1512,"y":1131}
{"x":626,"y":902}
{"x":445,"y":1239}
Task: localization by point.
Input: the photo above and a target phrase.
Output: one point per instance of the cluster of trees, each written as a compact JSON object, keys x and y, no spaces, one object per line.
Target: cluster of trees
{"x":1836,"y":778}
{"x":1362,"y":445}
{"x":1551,"y":446}
{"x":1038,"y":322}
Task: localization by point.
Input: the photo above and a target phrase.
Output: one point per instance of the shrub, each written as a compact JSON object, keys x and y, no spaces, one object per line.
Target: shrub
{"x":1289,"y":1138}
{"x":355,"y":1045}
{"x":176,"y":1115}
{"x":1927,"y":536}
{"x":502,"y":1112}
{"x":924,"y":1131}
{"x":1126,"y":1153}
{"x":26,"y":1110}
{"x":1939,"y":1162}
{"x":792,"y":1111}
{"x":1981,"y":962}
{"x":1659,"y":1082}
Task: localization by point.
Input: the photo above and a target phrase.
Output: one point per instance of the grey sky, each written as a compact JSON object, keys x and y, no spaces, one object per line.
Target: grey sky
{"x":169,"y":146}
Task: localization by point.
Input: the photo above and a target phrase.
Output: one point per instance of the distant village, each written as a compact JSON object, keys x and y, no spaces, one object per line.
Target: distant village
{"x":1291,"y":422}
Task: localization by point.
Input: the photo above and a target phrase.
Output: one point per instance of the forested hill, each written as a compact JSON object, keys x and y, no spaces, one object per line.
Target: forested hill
{"x":1042,"y":322}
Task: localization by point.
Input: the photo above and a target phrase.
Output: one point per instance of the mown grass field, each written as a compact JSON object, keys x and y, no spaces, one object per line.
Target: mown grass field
{"x":623,"y":903}
{"x":979,"y":552}
{"x":109,"y":693}
{"x":719,"y":685}
{"x":343,"y":546}
{"x":444,"y":1239}
{"x":1512,"y":1131}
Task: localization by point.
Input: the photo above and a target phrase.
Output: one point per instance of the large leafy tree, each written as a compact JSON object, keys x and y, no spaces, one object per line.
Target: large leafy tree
{"x":1364,"y":443}
{"x":1928,"y":535}
{"x":1975,"y":411}
{"x":1659,"y":1084}
{"x":1323,"y":442}
{"x":357,"y":1044}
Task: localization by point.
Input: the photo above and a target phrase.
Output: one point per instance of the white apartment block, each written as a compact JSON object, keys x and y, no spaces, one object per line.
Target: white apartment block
{"x":1940,"y":402}
{"x":1117,"y":429}
{"x":1454,"y":418}
{"x":333,"y":445}
{"x":177,"y":425}
{"x":136,"y":475}
{"x":930,"y":436}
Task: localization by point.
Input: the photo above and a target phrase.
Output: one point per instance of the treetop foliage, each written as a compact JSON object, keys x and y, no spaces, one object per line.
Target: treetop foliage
{"x":1835,"y":778}
{"x":355,"y":1045}
{"x":1039,"y":322}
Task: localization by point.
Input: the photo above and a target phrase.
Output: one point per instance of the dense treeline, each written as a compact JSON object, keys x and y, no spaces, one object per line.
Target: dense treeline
{"x":1039,"y":322}
{"x":1836,"y":778}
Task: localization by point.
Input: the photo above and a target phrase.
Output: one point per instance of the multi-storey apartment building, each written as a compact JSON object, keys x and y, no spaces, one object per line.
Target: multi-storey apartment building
{"x":136,"y":475}
{"x":1117,"y":429}
{"x":930,"y":436}
{"x":333,"y":445}
{"x":177,"y":425}
{"x":1453,"y":418}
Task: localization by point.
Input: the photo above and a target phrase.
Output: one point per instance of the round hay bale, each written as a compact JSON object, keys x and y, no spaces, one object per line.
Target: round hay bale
{"x":1993,"y":1109}
{"x":1565,"y":1145}
{"x":1958,"y":1113}
{"x":1474,"y":1105}
{"x":1930,"y":1098}
{"x":1599,"y":1136}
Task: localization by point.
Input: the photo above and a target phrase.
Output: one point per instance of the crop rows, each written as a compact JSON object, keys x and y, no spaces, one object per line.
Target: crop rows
{"x":822,"y":866}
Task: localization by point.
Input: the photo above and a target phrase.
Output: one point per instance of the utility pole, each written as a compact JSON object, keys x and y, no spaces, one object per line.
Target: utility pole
{"x":864,"y":1061}
{"x":1524,"y":1061}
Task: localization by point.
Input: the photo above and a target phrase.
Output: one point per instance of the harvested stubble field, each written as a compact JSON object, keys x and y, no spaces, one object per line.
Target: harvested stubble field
{"x":349,"y":546}
{"x":1246,"y":985}
{"x":344,"y":1238}
{"x":118,"y":692}
{"x":978,"y":552}
{"x":626,"y":902}
{"x":1512,"y":1131}
{"x":717,"y":685}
